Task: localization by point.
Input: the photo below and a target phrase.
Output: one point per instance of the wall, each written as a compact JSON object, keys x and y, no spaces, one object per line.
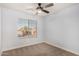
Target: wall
{"x":0,"y":30}
{"x":10,"y":40}
{"x":62,"y":29}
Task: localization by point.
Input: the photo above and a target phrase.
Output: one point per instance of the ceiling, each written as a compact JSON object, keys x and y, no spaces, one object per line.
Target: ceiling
{"x":30,"y":7}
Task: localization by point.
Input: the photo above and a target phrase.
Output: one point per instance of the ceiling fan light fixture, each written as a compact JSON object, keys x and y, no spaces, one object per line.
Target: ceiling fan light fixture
{"x":39,"y":11}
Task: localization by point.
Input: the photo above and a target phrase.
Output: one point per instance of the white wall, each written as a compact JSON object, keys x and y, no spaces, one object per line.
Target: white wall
{"x":0,"y":30}
{"x":10,"y":40}
{"x":62,"y":29}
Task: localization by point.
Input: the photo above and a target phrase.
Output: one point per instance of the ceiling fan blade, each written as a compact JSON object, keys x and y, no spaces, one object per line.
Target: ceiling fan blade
{"x":30,"y":9}
{"x":49,"y":5}
{"x":45,"y":11}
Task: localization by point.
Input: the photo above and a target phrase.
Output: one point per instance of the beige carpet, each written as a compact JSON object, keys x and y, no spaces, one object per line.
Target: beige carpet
{"x":41,"y":49}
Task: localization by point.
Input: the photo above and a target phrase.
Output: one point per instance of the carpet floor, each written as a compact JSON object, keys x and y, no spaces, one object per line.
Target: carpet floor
{"x":41,"y":49}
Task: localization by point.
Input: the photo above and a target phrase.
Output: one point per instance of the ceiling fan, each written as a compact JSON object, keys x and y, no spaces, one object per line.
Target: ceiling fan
{"x":41,"y":8}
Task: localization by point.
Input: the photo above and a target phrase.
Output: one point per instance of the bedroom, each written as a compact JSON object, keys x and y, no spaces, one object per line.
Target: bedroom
{"x":33,"y":27}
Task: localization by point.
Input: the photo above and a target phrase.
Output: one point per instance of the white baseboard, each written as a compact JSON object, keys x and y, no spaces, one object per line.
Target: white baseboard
{"x":62,"y":48}
{"x":44,"y":42}
{"x":21,"y":46}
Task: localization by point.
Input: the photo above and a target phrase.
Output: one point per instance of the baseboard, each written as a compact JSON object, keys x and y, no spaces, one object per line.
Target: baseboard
{"x":22,"y":46}
{"x":46,"y":43}
{"x":62,"y":48}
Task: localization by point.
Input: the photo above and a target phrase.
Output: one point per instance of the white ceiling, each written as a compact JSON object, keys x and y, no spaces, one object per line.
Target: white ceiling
{"x":30,"y":7}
